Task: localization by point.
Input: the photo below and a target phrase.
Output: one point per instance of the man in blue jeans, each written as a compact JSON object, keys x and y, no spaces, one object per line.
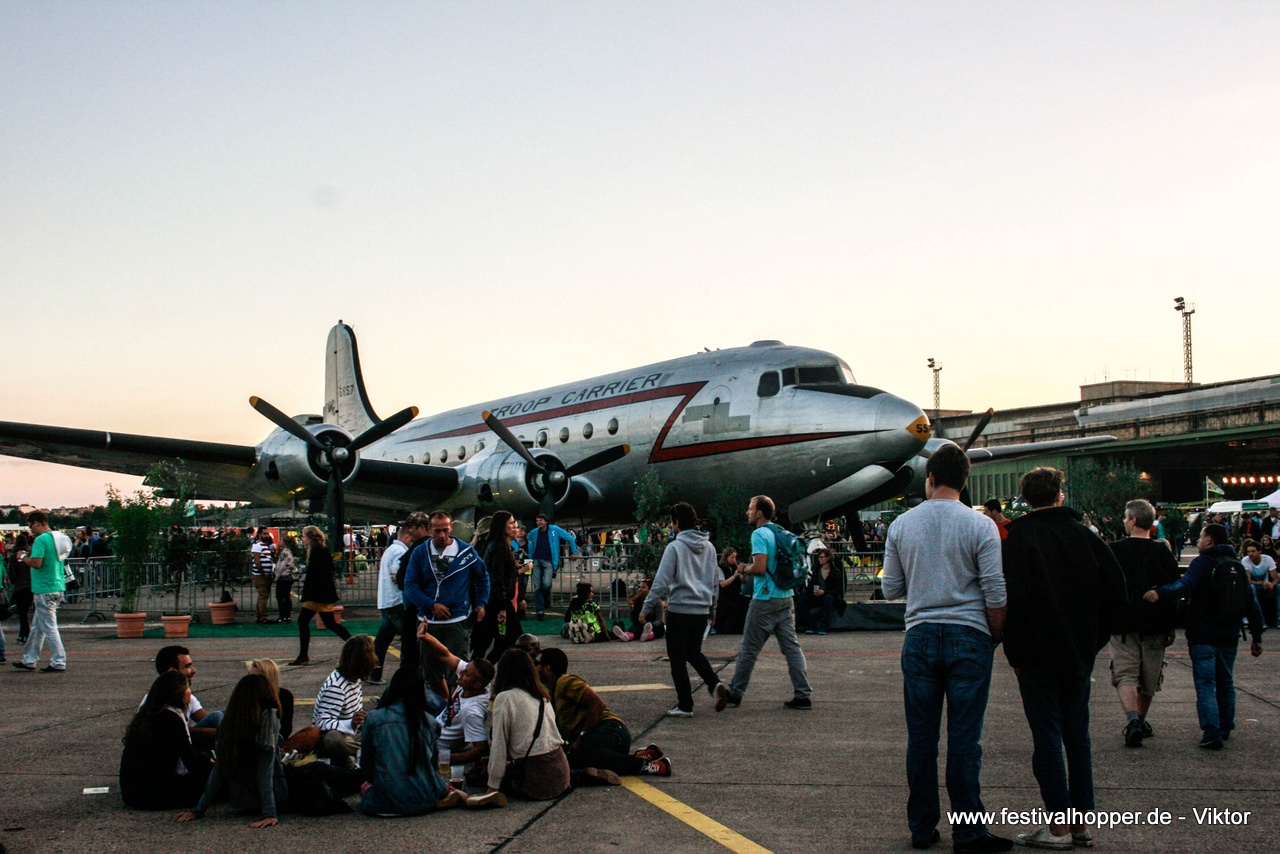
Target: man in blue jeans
{"x":945,"y":559}
{"x":544,"y":550}
{"x":1212,"y":643}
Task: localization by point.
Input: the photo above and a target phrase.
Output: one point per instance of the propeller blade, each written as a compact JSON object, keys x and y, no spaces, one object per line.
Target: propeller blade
{"x":334,"y":507}
{"x":384,"y":428}
{"x":284,"y":422}
{"x":547,"y":506}
{"x":977,"y":429}
{"x":511,"y":441}
{"x":595,"y":461}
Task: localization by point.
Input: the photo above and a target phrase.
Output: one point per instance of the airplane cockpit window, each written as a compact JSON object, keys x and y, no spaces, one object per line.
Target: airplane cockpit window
{"x":789,"y":376}
{"x":613,"y":427}
{"x":847,"y":372}
{"x":769,"y":385}
{"x":588,"y":431}
{"x":564,"y":434}
{"x":541,"y":439}
{"x":820,"y":375}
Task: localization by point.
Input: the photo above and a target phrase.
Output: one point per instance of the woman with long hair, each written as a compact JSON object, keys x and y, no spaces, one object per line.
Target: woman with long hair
{"x":339,"y":710}
{"x":501,"y":623}
{"x":248,"y":755}
{"x":398,"y":755}
{"x":526,"y":751}
{"x":731,"y":609}
{"x":319,"y":593}
{"x":159,"y":769}
{"x":266,"y":667}
{"x":20,"y":578}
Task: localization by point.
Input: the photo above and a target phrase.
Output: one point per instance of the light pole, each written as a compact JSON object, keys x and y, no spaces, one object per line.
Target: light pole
{"x":937,"y":388}
{"x":1180,"y":306}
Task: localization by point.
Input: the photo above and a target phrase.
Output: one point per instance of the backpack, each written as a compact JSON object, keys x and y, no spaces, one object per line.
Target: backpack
{"x":1223,"y":597}
{"x":792,"y":563}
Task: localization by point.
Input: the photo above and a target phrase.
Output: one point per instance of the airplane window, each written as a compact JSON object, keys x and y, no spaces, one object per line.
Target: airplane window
{"x":848,"y":373}
{"x":828,"y":374}
{"x":444,"y":455}
{"x":480,"y":446}
{"x":587,"y":430}
{"x":541,"y":440}
{"x":462,"y":452}
{"x":426,"y":459}
{"x":769,"y":385}
{"x":788,"y":376}
{"x":564,"y":434}
{"x":411,"y":458}
{"x":613,"y":427}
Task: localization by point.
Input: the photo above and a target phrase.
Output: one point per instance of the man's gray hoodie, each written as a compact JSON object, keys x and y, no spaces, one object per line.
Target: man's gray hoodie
{"x":688,"y":576}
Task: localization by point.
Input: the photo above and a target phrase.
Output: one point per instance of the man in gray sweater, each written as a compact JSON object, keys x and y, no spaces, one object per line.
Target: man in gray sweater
{"x":688,"y":578}
{"x":945,"y":557}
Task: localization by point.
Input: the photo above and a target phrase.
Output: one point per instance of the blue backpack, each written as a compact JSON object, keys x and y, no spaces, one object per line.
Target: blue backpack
{"x":792,"y":566}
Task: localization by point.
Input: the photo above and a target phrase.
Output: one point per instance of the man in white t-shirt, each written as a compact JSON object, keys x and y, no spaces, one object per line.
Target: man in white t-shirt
{"x":202,"y":722}
{"x":390,"y":598}
{"x":465,"y":720}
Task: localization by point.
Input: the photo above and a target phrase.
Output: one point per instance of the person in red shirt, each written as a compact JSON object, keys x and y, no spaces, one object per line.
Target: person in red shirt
{"x":992,"y":509}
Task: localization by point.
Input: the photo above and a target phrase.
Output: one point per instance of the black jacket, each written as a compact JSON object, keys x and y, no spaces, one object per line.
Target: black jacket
{"x":1065,"y":592}
{"x":319,"y":585}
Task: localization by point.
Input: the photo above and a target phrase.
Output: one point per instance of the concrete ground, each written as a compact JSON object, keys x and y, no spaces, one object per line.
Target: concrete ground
{"x":826,"y":780}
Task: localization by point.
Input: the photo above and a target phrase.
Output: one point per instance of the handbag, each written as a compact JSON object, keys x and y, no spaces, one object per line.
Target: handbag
{"x":516,"y":767}
{"x":6,"y":610}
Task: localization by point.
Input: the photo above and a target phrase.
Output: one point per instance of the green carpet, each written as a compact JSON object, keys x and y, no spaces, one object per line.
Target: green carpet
{"x":204,"y":629}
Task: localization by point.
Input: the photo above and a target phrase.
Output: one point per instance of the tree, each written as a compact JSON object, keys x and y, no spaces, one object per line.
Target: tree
{"x":651,"y":510}
{"x":176,"y":483}
{"x":135,"y":521}
{"x":1102,"y":490}
{"x":727,"y":516}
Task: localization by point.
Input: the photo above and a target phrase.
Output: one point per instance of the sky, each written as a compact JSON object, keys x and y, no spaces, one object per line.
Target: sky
{"x":501,"y":196}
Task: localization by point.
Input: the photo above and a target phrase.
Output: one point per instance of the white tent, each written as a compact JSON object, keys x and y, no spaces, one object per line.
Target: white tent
{"x":1272,"y":500}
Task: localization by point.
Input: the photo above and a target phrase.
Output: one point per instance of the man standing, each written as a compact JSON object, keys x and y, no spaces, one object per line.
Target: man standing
{"x":419,"y":531}
{"x":992,"y":509}
{"x":544,"y":551}
{"x":1144,"y":630}
{"x":48,"y":584}
{"x":1065,"y":592}
{"x":771,"y":612}
{"x":445,"y":576}
{"x":689,"y":580}
{"x":1220,"y":597}
{"x":263,"y":572}
{"x":954,"y":617}
{"x":390,"y":599}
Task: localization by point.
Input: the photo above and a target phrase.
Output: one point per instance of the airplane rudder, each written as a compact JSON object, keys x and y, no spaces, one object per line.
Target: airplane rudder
{"x":345,"y":401}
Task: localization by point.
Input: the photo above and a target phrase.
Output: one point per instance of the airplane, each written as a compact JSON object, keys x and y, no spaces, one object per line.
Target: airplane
{"x":767,"y":418}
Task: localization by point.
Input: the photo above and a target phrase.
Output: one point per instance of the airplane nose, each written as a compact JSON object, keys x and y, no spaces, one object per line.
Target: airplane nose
{"x":896,"y":413}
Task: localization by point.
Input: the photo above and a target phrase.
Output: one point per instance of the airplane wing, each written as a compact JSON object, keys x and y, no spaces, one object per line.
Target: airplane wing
{"x":221,"y":469}
{"x":380,"y":484}
{"x":1028,"y":449}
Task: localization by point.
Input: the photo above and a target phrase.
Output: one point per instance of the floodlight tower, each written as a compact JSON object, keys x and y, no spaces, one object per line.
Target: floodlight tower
{"x":1180,"y":306}
{"x":937,"y":389}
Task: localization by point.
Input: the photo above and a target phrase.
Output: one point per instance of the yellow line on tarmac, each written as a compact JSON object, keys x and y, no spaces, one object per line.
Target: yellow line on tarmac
{"x":709,"y":827}
{"x":607,"y":689}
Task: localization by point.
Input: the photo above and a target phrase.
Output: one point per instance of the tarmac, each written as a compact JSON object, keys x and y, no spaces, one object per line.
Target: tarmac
{"x":757,"y":778}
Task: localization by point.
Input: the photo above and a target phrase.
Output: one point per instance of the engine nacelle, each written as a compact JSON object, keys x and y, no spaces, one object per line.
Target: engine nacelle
{"x":913,"y":494}
{"x":289,"y":468}
{"x":504,"y":481}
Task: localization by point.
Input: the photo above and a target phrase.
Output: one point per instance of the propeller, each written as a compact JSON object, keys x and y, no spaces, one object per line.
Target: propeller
{"x":334,"y":454}
{"x":551,"y":477}
{"x":968,"y":443}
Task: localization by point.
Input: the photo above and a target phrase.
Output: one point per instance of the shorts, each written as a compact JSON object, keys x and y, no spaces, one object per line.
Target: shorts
{"x":1138,"y":661}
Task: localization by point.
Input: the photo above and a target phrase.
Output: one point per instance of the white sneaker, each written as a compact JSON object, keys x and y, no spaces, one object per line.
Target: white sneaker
{"x":647,"y":634}
{"x":1046,"y":838}
{"x":621,"y":634}
{"x":677,"y":712}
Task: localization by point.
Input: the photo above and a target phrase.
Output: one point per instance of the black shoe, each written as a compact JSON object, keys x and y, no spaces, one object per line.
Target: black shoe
{"x":802,"y":703}
{"x":921,"y":844}
{"x":985,"y":844}
{"x":22,"y":665}
{"x":1207,"y":744}
{"x":52,"y":669}
{"x":1147,"y":731}
{"x":1133,"y":734}
{"x":22,"y":638}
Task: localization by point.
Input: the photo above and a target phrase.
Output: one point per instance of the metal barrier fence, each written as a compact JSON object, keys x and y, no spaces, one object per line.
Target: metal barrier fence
{"x":205,"y":580}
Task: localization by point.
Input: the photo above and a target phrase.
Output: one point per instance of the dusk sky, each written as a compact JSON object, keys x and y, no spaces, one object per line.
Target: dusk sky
{"x":504,"y":196}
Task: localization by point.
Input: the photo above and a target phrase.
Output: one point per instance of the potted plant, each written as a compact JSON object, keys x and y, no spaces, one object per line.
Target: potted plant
{"x":134,"y":519}
{"x":174,"y":482}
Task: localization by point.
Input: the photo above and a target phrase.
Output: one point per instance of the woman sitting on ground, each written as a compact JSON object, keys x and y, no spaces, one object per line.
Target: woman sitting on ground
{"x":824,"y":592}
{"x":266,"y":667}
{"x":399,"y":753}
{"x":159,"y":769}
{"x":651,"y":630}
{"x":524,"y":732}
{"x":248,"y":756}
{"x":339,"y":710}
{"x":585,"y":611}
{"x":319,"y":593}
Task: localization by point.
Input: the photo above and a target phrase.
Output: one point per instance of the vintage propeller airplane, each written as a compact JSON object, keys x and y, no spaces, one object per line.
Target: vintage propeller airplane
{"x":785,"y":421}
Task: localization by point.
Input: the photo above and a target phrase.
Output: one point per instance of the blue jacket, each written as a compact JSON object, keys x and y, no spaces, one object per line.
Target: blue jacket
{"x":384,"y":758}
{"x":466,"y":581}
{"x":1201,"y":630}
{"x":554,"y":535}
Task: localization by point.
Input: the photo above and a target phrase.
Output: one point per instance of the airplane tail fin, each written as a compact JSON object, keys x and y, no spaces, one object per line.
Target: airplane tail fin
{"x":345,"y":401}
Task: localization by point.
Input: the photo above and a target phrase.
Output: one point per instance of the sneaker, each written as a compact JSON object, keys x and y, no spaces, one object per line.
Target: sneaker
{"x":677,"y":712}
{"x":489,"y":800}
{"x":1082,"y":838}
{"x":725,"y":699}
{"x":985,"y":844}
{"x":540,"y":616}
{"x":1207,"y":744}
{"x":452,"y":798}
{"x":801,"y":703}
{"x":922,"y":844}
{"x":658,"y":768}
{"x":22,"y":638}
{"x":1147,"y":731}
{"x":621,"y":634}
{"x":595,"y":777}
{"x":647,"y":634}
{"x":651,"y":753}
{"x":1133,"y":733}
{"x":810,"y":631}
{"x":52,"y":669}
{"x":820,"y":632}
{"x":1046,"y":838}
{"x":22,"y":665}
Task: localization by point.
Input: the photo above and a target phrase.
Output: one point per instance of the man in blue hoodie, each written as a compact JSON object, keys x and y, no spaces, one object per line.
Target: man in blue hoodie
{"x":1213,"y":643}
{"x":544,"y":551}
{"x":444,"y":577}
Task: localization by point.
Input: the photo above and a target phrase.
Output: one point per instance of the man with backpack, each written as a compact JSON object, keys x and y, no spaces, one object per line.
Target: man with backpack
{"x":1144,"y":629}
{"x":1220,"y":594}
{"x":778,"y":566}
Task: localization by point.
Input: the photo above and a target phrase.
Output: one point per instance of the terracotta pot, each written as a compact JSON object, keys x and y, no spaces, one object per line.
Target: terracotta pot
{"x":130,"y":625}
{"x":177,"y":626}
{"x":222,"y":613}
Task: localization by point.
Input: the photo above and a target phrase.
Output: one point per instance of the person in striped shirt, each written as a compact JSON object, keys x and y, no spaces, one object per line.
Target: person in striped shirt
{"x":339,"y":710}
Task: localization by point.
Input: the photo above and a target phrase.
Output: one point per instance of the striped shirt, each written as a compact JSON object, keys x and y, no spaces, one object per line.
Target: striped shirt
{"x":264,"y":558}
{"x":337,"y":703}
